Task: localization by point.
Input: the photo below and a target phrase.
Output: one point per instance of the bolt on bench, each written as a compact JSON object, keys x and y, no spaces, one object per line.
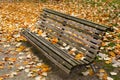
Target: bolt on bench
{"x":65,"y":40}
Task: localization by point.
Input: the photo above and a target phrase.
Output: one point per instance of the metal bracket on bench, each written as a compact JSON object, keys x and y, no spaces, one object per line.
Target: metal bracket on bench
{"x":93,"y":68}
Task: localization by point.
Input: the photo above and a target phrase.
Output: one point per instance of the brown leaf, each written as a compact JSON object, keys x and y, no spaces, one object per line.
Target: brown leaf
{"x":12,"y":59}
{"x":104,"y":77}
{"x":91,"y":72}
{"x":112,"y":54}
{"x":2,"y":63}
{"x":2,"y":66}
{"x":6,"y":58}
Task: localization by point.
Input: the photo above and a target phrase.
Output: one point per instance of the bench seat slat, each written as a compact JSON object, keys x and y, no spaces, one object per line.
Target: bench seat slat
{"x":45,"y":51}
{"x":61,"y":54}
{"x":58,"y":58}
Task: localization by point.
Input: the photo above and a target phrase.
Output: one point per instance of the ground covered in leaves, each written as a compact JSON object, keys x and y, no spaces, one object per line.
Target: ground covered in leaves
{"x":17,"y":58}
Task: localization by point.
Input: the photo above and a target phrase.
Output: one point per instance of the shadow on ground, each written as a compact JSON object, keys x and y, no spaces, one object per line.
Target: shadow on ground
{"x":56,"y":73}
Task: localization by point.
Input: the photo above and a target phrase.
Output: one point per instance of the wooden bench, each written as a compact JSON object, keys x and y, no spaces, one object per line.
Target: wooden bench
{"x":65,"y":40}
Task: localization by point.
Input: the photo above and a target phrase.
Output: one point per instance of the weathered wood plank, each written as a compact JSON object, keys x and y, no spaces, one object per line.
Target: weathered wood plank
{"x":46,"y":53}
{"x":91,"y":24}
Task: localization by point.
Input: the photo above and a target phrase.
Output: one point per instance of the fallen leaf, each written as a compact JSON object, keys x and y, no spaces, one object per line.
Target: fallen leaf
{"x":40,"y":32}
{"x":86,"y":73}
{"x":6,"y":58}
{"x":91,"y":72}
{"x":12,"y":59}
{"x":38,"y":78}
{"x":44,"y":74}
{"x":1,"y":78}
{"x":109,"y":78}
{"x":108,"y":61}
{"x":21,"y":48}
{"x":79,"y":56}
{"x":101,"y":70}
{"x":2,"y":63}
{"x":27,"y":70}
{"x":54,"y":40}
{"x":112,"y":54}
{"x":45,"y":69}
{"x":29,"y":74}
{"x":1,"y":67}
{"x":25,"y":62}
{"x":18,"y":44}
{"x":113,"y":73}
{"x":105,"y":76}
{"x":21,"y":68}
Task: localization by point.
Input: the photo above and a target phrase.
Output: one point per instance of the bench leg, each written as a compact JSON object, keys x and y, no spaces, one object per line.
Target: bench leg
{"x":93,"y":68}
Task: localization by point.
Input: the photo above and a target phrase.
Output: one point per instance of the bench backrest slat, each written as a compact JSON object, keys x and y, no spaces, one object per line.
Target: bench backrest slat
{"x":67,"y":40}
{"x":84,"y":40}
{"x":84,"y":35}
{"x":80,"y":29}
{"x":73,"y":23}
{"x":97,"y":26}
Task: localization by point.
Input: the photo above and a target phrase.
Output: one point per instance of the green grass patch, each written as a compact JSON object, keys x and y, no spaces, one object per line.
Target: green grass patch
{"x":111,"y":44}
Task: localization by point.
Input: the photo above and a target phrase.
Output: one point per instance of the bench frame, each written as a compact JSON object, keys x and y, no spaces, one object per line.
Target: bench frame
{"x":60,"y":24}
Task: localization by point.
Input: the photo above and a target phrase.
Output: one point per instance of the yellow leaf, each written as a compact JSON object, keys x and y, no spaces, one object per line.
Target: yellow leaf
{"x":104,"y":77}
{"x":108,"y":61}
{"x":40,"y":32}
{"x":112,"y":54}
{"x":10,"y":66}
{"x":79,"y":56}
{"x":54,"y":40}
{"x":20,"y":48}
{"x":12,"y":59}
{"x":45,"y":69}
{"x":1,"y":67}
{"x":34,"y":71}
{"x":1,"y":78}
{"x":25,"y":62}
{"x":117,"y":46}
{"x":101,"y":70}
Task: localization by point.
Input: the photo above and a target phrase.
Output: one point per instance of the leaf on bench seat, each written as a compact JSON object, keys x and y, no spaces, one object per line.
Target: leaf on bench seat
{"x":54,"y":40}
{"x":79,"y":56}
{"x":40,"y":32}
